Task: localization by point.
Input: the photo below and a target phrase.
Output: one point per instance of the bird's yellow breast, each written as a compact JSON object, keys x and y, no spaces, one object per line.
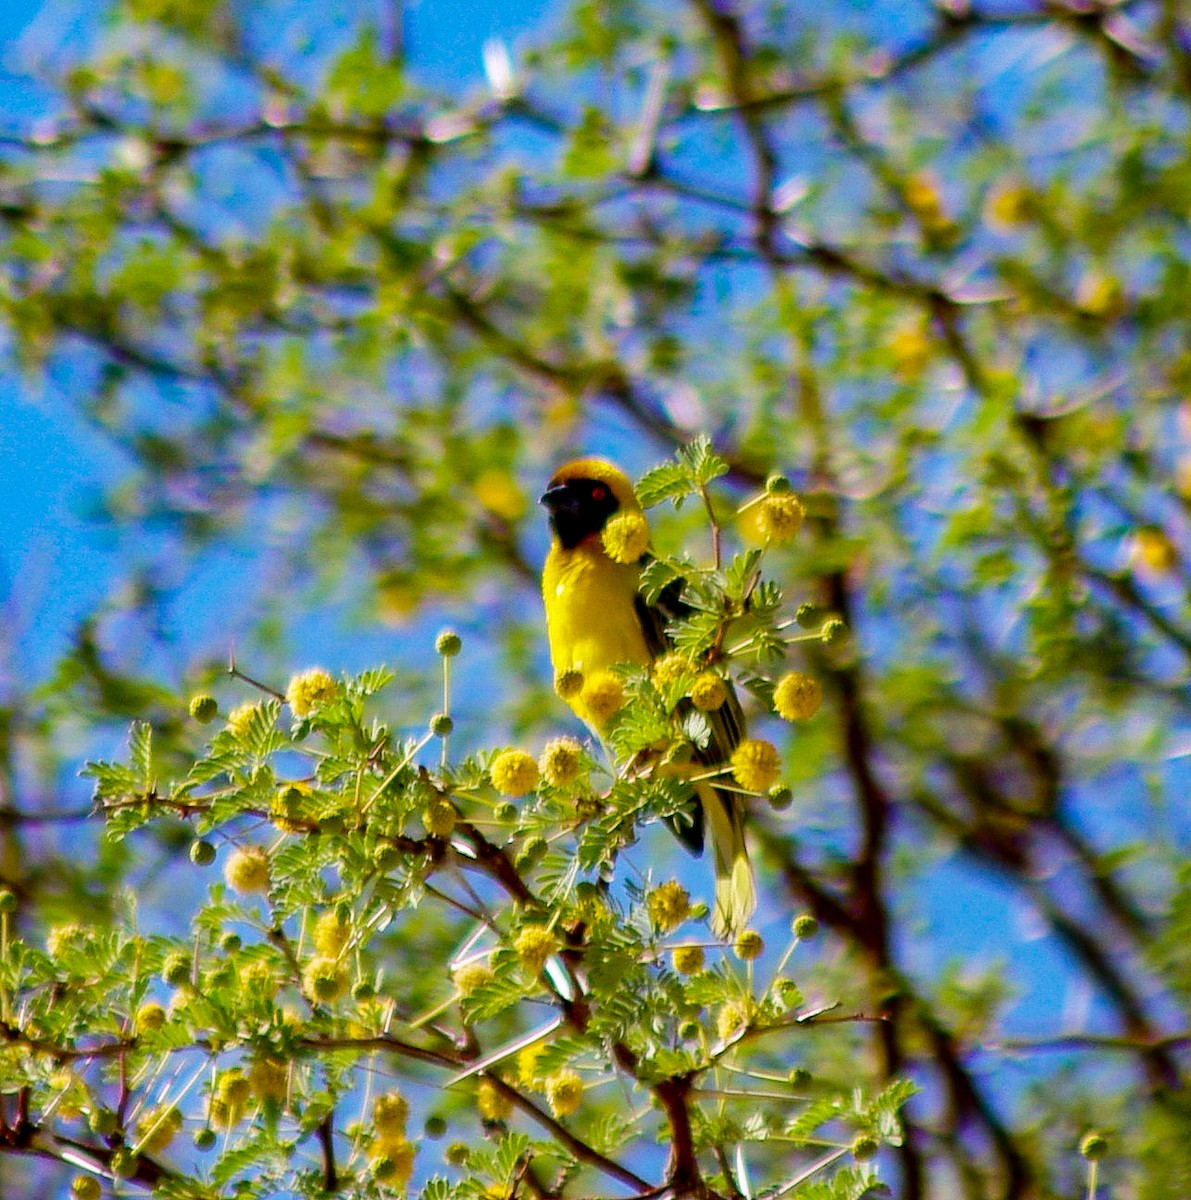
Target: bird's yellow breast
{"x":591,"y":619}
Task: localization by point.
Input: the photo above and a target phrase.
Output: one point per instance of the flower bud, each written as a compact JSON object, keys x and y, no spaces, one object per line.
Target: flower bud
{"x":448,"y":643}
{"x":203,"y":708}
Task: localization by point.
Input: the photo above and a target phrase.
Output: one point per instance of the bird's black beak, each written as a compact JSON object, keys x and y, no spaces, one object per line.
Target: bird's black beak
{"x":560,"y":498}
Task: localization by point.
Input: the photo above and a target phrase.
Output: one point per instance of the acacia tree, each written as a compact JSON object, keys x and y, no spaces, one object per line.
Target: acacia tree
{"x":931,"y":269}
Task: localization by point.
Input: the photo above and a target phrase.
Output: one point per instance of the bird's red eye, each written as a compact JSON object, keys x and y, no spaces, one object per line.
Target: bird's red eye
{"x":598,"y":493}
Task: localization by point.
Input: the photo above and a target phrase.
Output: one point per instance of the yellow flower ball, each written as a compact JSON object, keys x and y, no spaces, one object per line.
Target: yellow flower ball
{"x":564,"y":1091}
{"x":439,"y":817}
{"x":149,"y":1018}
{"x":670,"y":668}
{"x":731,"y":1019}
{"x":514,"y":773}
{"x":534,"y":945}
{"x":756,"y":764}
{"x":309,"y":690}
{"x":797,"y":697}
{"x":602,"y":695}
{"x":240,"y":719}
{"x":687,"y":960}
{"x":709,"y":692}
{"x":669,"y":905}
{"x":392,"y":1161}
{"x":779,"y":517}
{"x":493,"y":1105}
{"x":286,"y":807}
{"x":561,"y":761}
{"x":626,"y":537}
{"x":269,"y":1079}
{"x":749,"y":945}
{"x":230,"y":1098}
{"x":247,"y":870}
{"x":86,"y":1187}
{"x":63,"y":938}
{"x":470,"y":976}
{"x":390,"y":1113}
{"x":1153,"y":552}
{"x":331,"y":933}
{"x":157,"y":1128}
{"x":260,"y":980}
{"x":527,"y":1065}
{"x":325,"y":979}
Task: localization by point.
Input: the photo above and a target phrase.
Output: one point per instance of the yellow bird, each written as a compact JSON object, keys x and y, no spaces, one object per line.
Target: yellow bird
{"x":596,"y":618}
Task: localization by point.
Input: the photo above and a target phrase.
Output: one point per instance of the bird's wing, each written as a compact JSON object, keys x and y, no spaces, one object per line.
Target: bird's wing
{"x":726,"y":722}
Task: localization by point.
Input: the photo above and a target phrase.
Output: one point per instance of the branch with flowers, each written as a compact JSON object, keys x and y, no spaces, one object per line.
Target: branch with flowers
{"x":452,"y":967}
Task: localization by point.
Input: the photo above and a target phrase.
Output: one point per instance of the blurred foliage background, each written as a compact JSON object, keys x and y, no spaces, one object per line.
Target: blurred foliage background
{"x":334,"y":326}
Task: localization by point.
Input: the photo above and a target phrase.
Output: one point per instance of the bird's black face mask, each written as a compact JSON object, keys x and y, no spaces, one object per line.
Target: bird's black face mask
{"x":578,"y":508}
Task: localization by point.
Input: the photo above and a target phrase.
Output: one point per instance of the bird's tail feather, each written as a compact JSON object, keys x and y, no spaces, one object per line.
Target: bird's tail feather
{"x":735,"y":891}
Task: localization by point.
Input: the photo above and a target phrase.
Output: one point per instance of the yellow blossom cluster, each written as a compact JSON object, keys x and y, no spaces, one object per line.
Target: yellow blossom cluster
{"x":309,"y":690}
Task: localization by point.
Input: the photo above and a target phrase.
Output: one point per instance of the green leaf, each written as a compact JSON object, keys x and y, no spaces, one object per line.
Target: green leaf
{"x":702,"y":462}
{"x":670,"y":481}
{"x":140,"y":753}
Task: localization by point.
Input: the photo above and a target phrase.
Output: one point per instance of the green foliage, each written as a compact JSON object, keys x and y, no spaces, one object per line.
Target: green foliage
{"x":271,"y":1017}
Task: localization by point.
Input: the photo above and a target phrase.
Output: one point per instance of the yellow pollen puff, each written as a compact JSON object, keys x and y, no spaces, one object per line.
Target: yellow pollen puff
{"x":779,"y":517}
{"x":1153,"y":552}
{"x":626,"y":537}
{"x":561,"y":761}
{"x":670,"y":668}
{"x":325,"y":979}
{"x":63,"y":938}
{"x":709,"y":692}
{"x":749,"y":945}
{"x":514,"y":773}
{"x":756,"y":765}
{"x":527,"y":1065}
{"x":229,"y":1099}
{"x":260,"y":979}
{"x":669,"y":905}
{"x":331,"y":933}
{"x":157,"y":1128}
{"x":390,"y":1112}
{"x":240,"y":719}
{"x":86,"y":1187}
{"x":309,"y":690}
{"x":287,"y":805}
{"x":149,"y":1017}
{"x":687,"y":960}
{"x":569,"y":683}
{"x":493,"y":1104}
{"x":498,"y":492}
{"x":564,"y":1091}
{"x":392,"y":1161}
{"x":269,"y":1079}
{"x":247,"y":870}
{"x":731,"y":1019}
{"x":438,"y":817}
{"x":534,"y":945}
{"x":470,"y":976}
{"x":797,"y":697}
{"x":602,"y":695}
